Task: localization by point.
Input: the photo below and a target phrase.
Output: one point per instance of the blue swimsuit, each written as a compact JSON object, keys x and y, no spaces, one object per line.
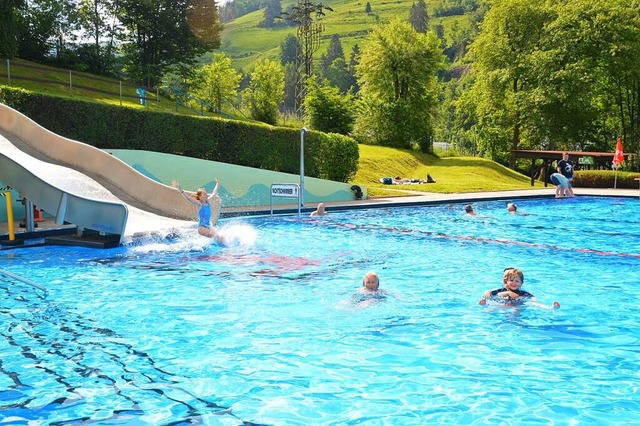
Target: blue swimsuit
{"x":204,"y":216}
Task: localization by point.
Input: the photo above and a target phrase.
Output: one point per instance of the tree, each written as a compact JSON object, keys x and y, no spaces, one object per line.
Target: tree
{"x":217,"y":81}
{"x":338,"y":75}
{"x":354,"y":59}
{"x":289,"y":50}
{"x":266,"y":91}
{"x":511,"y":32}
{"x":290,"y":78}
{"x":418,"y":17}
{"x":43,"y":27}
{"x":8,"y":29}
{"x":334,"y":51}
{"x":98,"y":23}
{"x":398,"y":86}
{"x":272,"y":11}
{"x":164,"y":33}
{"x":329,"y":111}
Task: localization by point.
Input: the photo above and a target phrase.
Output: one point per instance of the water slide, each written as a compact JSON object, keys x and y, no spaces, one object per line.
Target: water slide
{"x":80,"y":184}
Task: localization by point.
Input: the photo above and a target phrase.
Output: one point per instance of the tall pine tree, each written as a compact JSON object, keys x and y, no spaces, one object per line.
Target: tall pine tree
{"x":418,"y":17}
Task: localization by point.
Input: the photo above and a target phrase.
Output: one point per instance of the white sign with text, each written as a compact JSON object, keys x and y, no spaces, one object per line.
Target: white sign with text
{"x":286,"y":190}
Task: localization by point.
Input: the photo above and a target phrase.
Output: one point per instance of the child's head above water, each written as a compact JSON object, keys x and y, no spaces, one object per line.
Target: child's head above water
{"x":512,"y":278}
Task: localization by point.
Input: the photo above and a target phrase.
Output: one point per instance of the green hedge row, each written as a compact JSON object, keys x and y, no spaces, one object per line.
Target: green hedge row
{"x":327,"y":156}
{"x":604,"y":179}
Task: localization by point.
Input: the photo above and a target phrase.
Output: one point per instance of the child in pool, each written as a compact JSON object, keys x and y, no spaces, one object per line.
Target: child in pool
{"x":511,"y":293}
{"x":206,"y":204}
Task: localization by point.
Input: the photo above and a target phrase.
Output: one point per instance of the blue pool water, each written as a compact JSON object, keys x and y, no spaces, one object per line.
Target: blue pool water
{"x":183,"y":332}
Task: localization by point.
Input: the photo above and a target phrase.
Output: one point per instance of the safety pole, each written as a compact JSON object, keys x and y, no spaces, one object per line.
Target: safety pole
{"x":11,"y":226}
{"x":301,"y":199}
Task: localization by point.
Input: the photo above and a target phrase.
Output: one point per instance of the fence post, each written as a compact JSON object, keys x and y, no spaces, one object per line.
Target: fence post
{"x":120,"y":92}
{"x":158,"y":97}
{"x":9,"y":71}
{"x":70,"y":84}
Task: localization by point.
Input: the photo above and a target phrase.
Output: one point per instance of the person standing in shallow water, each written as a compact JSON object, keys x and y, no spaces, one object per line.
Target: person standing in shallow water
{"x":320,"y":211}
{"x":207,"y":204}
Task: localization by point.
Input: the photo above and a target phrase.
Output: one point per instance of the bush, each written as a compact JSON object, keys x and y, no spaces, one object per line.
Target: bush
{"x":604,"y":179}
{"x":243,"y":143}
{"x":328,"y":110}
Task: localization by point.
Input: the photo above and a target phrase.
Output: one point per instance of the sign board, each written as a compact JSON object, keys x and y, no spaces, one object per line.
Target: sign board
{"x":285,"y":190}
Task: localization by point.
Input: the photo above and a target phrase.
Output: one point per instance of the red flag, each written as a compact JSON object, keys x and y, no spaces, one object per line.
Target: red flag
{"x":619,"y":155}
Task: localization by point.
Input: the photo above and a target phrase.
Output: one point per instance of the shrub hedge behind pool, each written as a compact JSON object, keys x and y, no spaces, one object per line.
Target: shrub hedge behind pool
{"x":604,"y":179}
{"x":327,"y":155}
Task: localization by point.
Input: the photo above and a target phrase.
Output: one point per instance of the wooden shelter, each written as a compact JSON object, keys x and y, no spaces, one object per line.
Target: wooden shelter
{"x":581,"y":160}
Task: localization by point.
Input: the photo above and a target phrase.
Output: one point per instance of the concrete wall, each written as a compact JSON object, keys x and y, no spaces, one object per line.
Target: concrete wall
{"x":239,"y":186}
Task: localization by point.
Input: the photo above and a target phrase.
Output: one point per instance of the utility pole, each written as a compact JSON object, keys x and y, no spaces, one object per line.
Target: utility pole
{"x":303,"y":14}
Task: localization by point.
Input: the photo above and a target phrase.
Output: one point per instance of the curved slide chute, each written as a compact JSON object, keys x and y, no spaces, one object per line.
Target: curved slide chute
{"x":80,"y":184}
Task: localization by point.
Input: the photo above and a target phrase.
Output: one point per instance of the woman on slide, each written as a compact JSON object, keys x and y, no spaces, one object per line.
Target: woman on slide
{"x":205,"y":203}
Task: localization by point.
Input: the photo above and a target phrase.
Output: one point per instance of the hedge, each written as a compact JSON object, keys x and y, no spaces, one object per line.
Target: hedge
{"x":604,"y":179}
{"x":327,"y":156}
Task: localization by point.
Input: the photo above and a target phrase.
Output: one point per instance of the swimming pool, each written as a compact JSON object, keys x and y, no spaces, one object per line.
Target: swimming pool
{"x":179,"y":331}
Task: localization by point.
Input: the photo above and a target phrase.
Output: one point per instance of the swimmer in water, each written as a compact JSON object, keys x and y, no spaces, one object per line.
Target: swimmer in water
{"x":205,"y":203}
{"x":320,"y":211}
{"x":510,"y":293}
{"x":469,"y":210}
{"x":370,"y":290}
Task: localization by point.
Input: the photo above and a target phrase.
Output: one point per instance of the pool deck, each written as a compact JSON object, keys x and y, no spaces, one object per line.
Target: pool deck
{"x":58,"y":234}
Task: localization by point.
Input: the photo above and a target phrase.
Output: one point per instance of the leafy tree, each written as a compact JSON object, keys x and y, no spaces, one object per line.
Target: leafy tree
{"x":329,"y":111}
{"x":8,"y":29}
{"x":290,"y":78}
{"x":97,"y":20}
{"x":289,"y":50}
{"x":272,"y":11}
{"x":398,"y":86}
{"x":511,"y":32}
{"x":338,"y":75}
{"x":418,"y":17}
{"x":44,"y":26}
{"x":266,"y":91}
{"x":163,"y":33}
{"x":367,"y":8}
{"x":217,"y":81}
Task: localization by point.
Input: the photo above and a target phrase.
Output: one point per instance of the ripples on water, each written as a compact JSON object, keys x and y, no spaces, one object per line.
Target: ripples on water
{"x":267,"y":330}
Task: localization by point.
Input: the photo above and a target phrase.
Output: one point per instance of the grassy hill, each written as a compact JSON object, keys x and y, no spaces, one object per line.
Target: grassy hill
{"x":452,"y":174}
{"x":246,"y":42}
{"x":56,"y":81}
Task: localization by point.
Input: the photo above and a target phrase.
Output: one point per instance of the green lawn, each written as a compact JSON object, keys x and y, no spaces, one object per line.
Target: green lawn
{"x":452,"y":174}
{"x":24,"y":73}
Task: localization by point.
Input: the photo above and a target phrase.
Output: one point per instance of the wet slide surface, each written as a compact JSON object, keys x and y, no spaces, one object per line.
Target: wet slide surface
{"x":43,"y":167}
